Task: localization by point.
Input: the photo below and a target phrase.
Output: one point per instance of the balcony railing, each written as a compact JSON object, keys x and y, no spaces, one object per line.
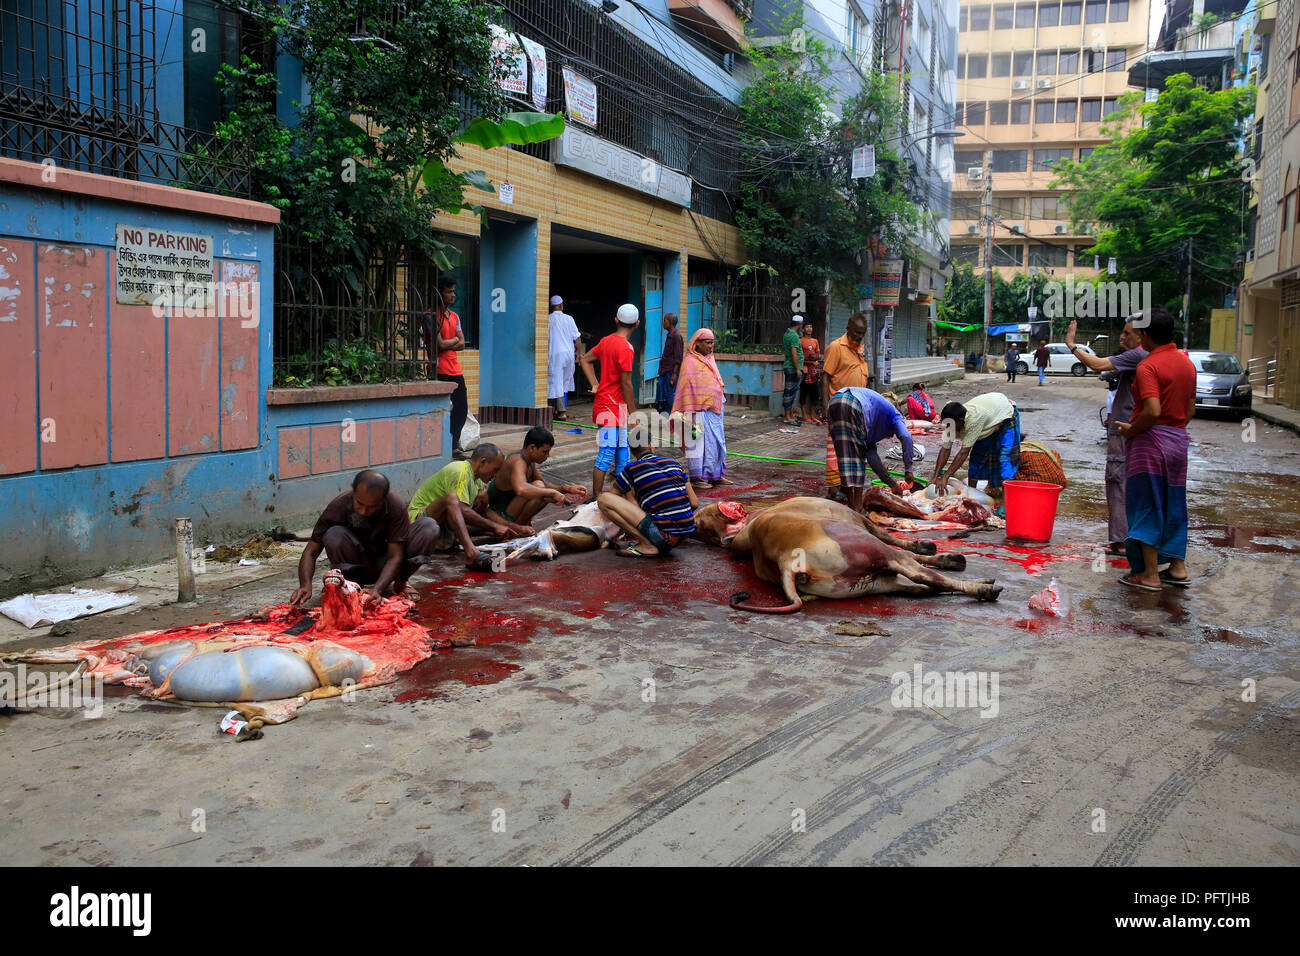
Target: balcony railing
{"x":38,"y":126}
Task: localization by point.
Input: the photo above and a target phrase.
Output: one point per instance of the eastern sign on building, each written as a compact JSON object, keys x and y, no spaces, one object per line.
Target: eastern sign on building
{"x":599,"y":157}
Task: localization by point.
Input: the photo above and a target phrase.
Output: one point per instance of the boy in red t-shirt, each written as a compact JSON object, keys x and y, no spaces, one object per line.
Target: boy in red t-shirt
{"x":614,"y":397}
{"x":449,"y":338}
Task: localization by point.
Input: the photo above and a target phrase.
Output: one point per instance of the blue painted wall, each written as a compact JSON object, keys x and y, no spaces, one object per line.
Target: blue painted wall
{"x":64,"y":524}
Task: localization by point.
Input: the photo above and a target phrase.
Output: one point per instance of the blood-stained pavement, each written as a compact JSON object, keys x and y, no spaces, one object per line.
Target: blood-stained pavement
{"x":612,"y":710}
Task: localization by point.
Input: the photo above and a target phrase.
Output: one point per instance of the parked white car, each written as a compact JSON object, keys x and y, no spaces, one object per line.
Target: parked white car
{"x":1062,"y":362}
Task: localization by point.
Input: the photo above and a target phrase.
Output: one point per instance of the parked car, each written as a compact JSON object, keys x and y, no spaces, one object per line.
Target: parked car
{"x":1062,"y":360}
{"x":1221,"y":382}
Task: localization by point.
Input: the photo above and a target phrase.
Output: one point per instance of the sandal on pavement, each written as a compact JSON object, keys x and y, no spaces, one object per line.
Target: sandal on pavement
{"x":632,"y":552}
{"x":1116,"y":548}
{"x":481,"y":562}
{"x":1137,"y":585}
{"x":1183,"y":582}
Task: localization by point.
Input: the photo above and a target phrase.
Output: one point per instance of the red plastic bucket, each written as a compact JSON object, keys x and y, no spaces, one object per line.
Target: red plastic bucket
{"x":1031,"y":509}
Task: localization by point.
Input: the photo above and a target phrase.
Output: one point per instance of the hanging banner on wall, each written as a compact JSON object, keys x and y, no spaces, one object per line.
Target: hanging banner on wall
{"x":886,"y":281}
{"x":864,"y":162}
{"x":537,"y":54}
{"x":506,"y":47}
{"x":579,"y":97}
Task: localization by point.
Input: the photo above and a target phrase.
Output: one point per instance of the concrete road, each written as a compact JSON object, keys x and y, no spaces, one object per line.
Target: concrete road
{"x":618,"y":712}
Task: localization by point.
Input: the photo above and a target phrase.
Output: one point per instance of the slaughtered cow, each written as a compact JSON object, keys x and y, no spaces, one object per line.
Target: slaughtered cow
{"x":818,"y":547}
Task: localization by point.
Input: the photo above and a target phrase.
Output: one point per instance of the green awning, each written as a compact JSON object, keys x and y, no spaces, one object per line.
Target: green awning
{"x":957,"y":328}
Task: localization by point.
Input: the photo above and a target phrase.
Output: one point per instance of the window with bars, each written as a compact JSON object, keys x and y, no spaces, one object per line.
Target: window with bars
{"x":968,"y":253}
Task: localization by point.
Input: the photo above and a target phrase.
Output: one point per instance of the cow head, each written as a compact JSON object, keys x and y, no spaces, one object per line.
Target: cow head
{"x":717,"y":524}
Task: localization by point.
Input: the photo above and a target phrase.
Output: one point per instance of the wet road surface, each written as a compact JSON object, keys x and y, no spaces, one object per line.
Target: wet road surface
{"x":618,"y":711}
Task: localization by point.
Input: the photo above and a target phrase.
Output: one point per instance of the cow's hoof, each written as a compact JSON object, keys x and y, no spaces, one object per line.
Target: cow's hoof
{"x":988,"y":592}
{"x":926,"y":547}
{"x":952,"y":562}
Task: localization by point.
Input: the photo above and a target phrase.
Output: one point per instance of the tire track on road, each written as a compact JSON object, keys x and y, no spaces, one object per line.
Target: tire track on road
{"x":1133,"y":838}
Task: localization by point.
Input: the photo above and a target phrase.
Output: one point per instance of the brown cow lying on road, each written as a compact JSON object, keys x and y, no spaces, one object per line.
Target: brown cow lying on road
{"x":819,"y":547}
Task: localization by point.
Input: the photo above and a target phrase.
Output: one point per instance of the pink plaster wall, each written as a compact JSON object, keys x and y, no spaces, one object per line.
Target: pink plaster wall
{"x":239,"y":386}
{"x":325,"y":448}
{"x":356,"y":453}
{"x":193,"y":411}
{"x":295,"y":452}
{"x":72,"y":340}
{"x":20,"y":432}
{"x":381,"y":442}
{"x":137,"y":367}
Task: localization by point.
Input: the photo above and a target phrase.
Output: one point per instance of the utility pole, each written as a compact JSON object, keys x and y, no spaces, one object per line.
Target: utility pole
{"x":1187,"y":298}
{"x":988,"y":252}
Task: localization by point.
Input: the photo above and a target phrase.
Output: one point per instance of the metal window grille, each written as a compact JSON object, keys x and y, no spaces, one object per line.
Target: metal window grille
{"x":78,"y":86}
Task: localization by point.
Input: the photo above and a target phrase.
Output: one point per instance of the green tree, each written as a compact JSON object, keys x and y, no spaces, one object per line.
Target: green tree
{"x":1168,"y":182}
{"x":362,"y":171}
{"x":800,"y":212}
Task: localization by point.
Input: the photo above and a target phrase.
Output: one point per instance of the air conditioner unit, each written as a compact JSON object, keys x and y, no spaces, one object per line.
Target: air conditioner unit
{"x":972,"y":230}
{"x":975,"y":174}
{"x":1015,"y":226}
{"x":1020,"y":84}
{"x":1060,"y":229}
{"x":1044,"y":84}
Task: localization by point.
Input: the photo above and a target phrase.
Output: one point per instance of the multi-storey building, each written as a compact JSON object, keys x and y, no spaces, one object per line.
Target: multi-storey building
{"x":1035,"y":80}
{"x":915,"y":41}
{"x":1268,"y":321}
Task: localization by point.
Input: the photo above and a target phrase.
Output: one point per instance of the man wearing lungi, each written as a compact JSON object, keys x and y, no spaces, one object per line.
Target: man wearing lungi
{"x":844,"y":366}
{"x":1164,"y":399}
{"x":859,"y":419}
{"x":989,"y":429}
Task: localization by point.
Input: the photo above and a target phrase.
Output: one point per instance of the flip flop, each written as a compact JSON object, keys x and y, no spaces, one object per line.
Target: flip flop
{"x":1176,"y":582}
{"x":1116,"y":549}
{"x":632,"y":552}
{"x":481,"y":562}
{"x":1130,"y":581}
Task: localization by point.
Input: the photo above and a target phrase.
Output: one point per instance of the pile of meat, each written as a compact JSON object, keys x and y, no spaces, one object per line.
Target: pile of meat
{"x":916,"y":512}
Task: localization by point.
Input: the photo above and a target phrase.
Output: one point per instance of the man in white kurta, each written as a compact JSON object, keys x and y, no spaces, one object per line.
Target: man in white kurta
{"x":561,"y":355}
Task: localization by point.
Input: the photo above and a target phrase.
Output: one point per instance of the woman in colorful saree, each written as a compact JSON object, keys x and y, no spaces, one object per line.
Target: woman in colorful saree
{"x":699,"y":397}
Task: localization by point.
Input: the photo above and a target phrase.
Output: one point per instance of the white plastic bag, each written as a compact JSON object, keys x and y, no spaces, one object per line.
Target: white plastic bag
{"x":1052,"y":600}
{"x":469,"y":435}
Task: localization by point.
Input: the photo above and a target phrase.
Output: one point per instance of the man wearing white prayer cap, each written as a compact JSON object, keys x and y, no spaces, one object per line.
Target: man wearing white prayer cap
{"x":562,"y":356}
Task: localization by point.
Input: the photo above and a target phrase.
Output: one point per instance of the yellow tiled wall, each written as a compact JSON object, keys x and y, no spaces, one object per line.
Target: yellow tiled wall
{"x":555,"y":194}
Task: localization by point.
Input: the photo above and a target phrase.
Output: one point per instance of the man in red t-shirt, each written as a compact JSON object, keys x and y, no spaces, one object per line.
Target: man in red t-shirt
{"x":1155,"y":489}
{"x":614,"y":396}
{"x":449,"y":338}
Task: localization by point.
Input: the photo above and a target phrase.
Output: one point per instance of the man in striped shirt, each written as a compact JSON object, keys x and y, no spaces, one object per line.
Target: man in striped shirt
{"x":655,"y":503}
